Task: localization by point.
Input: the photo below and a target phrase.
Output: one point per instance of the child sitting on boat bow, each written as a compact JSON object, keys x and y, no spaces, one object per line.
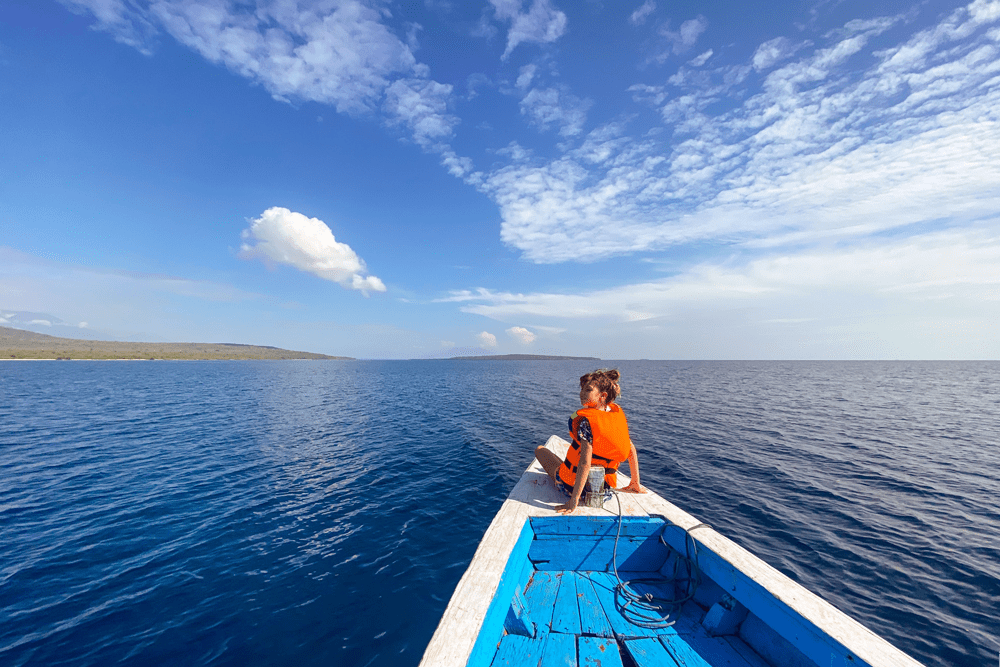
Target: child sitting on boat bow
{"x":600,"y":435}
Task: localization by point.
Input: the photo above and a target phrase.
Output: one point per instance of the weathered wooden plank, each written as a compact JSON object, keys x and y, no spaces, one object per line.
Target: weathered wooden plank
{"x":824,"y":633}
{"x":649,"y":652}
{"x":518,"y":651}
{"x":776,"y":613}
{"x":458,"y":631}
{"x":681,"y":618}
{"x":566,"y":612}
{"x":593,"y":620}
{"x":559,"y":651}
{"x":771,"y":646}
{"x":508,"y":581}
{"x":598,"y":652}
{"x":691,"y":645}
{"x":535,"y":495}
{"x":755,"y":660}
{"x":604,"y":585}
{"x":519,"y":620}
{"x":578,"y":552}
{"x":682,"y":653}
{"x":595,"y":526}
{"x":540,"y":597}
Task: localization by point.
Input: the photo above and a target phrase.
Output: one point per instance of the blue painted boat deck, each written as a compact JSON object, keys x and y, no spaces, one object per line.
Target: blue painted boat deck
{"x":576,"y":621}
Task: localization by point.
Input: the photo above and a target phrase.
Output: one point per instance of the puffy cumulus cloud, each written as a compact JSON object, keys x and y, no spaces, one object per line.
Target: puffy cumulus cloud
{"x":837,"y":141}
{"x":486,"y":339}
{"x":339,"y":52}
{"x":523,"y":335}
{"x":541,"y":23}
{"x":280,"y":236}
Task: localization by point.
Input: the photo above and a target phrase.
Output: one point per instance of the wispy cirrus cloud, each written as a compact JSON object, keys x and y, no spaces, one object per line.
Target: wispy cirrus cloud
{"x":889,"y":281}
{"x":540,"y":23}
{"x":819,"y":145}
{"x":422,"y":106}
{"x":639,"y":16}
{"x":103,"y":300}
{"x":547,"y":107}
{"x":684,"y":38}
{"x":281,"y":236}
{"x":550,"y":106}
{"x":337,"y":53}
{"x":772,"y":52}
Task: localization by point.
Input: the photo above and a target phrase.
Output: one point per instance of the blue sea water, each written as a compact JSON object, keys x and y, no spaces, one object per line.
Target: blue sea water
{"x":321,"y":512}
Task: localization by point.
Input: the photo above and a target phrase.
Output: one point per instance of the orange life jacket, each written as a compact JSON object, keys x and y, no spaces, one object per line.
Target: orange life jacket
{"x":612,"y":444}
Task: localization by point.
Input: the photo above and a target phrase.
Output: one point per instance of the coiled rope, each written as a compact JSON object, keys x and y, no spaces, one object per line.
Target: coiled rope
{"x":647,"y":610}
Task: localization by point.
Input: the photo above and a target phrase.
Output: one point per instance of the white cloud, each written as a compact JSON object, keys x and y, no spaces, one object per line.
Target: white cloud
{"x":683,"y":39}
{"x":337,"y":53}
{"x":828,"y":147}
{"x":280,"y":236}
{"x":421,"y":105}
{"x":640,"y":15}
{"x":541,"y":23}
{"x":525,"y":76}
{"x":523,"y":335}
{"x":551,"y":106}
{"x":515,"y":151}
{"x":959,"y":267}
{"x":42,"y":322}
{"x":129,"y":25}
{"x":110,"y":300}
{"x":486,"y":339}
{"x":772,"y":52}
{"x":702,"y":59}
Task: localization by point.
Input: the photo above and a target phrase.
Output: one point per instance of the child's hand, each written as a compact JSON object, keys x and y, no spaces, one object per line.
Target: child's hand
{"x":567,"y":508}
{"x":633,"y":487}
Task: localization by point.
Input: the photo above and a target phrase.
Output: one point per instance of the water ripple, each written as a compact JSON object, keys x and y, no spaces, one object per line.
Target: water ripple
{"x":244,"y":513}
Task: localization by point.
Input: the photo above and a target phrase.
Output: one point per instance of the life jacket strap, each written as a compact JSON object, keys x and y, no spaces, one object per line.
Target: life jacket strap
{"x":573,"y":468}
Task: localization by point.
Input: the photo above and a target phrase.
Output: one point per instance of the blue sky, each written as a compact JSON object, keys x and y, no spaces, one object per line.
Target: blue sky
{"x":700,"y":180}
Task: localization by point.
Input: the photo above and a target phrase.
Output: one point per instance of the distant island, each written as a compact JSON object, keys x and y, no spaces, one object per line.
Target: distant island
{"x":523,"y":357}
{"x":20,"y":344}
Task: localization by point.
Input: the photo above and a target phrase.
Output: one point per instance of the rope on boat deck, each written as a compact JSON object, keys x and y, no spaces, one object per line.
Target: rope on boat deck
{"x":646,"y":609}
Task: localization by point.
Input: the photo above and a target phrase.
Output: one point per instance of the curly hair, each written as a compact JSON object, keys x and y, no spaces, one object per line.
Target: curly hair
{"x":605,"y":380}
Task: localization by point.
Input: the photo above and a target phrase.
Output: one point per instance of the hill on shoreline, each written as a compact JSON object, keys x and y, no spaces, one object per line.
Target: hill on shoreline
{"x":522,"y":357}
{"x":20,"y":344}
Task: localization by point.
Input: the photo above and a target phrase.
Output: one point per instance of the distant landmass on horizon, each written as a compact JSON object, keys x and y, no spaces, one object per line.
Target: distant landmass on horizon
{"x":524,"y":357}
{"x":20,"y":344}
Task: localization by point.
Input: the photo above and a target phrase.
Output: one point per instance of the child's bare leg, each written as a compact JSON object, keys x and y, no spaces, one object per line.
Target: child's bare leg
{"x":549,"y":461}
